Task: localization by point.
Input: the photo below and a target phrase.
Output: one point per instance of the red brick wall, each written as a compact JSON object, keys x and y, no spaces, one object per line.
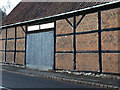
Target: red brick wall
{"x":63,"y":27}
{"x":84,"y":62}
{"x":2,"y":56}
{"x":87,"y":62}
{"x":89,"y":22}
{"x":64,"y":61}
{"x":2,"y":43}
{"x":110,"y":40}
{"x":20,"y":32}
{"x":20,"y":58}
{"x":10,"y":57}
{"x":3,"y":33}
{"x":110,"y":18}
{"x":84,"y":42}
{"x":11,"y":32}
{"x":20,"y":46}
{"x":111,"y":63}
{"x":64,"y":43}
{"x":11,"y":44}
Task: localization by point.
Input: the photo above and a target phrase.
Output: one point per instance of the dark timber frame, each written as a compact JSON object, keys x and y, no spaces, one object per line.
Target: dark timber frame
{"x":15,"y":43}
{"x":6,"y":45}
{"x":99,"y":31}
{"x":74,"y":41}
{"x":99,"y":41}
{"x":74,"y":26}
{"x":6,"y":39}
{"x":54,"y":45}
{"x":26,"y":27}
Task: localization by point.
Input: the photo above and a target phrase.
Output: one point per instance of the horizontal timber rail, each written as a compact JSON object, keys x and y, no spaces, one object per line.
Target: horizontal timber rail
{"x":13,"y":38}
{"x":103,"y":51}
{"x":12,"y":51}
{"x":90,"y":31}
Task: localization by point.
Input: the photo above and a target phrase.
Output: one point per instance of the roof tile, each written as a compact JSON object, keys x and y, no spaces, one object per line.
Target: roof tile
{"x":25,"y":11}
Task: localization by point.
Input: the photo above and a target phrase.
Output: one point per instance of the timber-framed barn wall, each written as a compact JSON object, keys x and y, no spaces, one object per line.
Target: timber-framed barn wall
{"x":86,"y":40}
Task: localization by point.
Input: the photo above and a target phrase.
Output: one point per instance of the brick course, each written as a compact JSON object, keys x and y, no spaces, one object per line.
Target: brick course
{"x":2,"y":43}
{"x":89,"y":22}
{"x":20,"y":32}
{"x":2,"y":56}
{"x":20,"y":57}
{"x":9,"y":57}
{"x":111,"y":63}
{"x":87,"y":62}
{"x":64,"y":61}
{"x":20,"y":45}
{"x":110,"y":18}
{"x":11,"y":44}
{"x":11,"y":32}
{"x":3,"y":33}
{"x":64,"y":43}
{"x":87,"y":42}
{"x":63,"y":26}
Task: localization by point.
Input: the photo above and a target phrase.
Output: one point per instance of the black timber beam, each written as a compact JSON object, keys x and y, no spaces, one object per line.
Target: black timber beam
{"x":23,"y":29}
{"x":15,"y":43}
{"x":69,"y":22}
{"x":80,"y":20}
{"x":26,"y":28}
{"x":99,"y":42}
{"x":6,"y":46}
{"x":54,"y":66}
{"x":74,"y":41}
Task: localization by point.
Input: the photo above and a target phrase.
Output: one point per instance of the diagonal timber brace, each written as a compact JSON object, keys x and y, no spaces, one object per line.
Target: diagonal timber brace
{"x":23,"y":29}
{"x":77,"y":23}
{"x":69,"y":22}
{"x":80,"y":20}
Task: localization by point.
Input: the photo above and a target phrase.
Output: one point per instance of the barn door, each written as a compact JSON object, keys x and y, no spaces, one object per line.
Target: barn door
{"x":40,"y":50}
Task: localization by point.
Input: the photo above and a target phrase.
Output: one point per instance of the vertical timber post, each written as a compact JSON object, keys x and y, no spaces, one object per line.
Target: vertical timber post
{"x":6,"y":45}
{"x":15,"y":43}
{"x":99,"y":41}
{"x":74,"y":42}
{"x":26,"y":28}
{"x":54,"y":45}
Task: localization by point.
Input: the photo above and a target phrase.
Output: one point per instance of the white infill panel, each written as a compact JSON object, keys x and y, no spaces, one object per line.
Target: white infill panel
{"x":47,"y":26}
{"x":33,"y":28}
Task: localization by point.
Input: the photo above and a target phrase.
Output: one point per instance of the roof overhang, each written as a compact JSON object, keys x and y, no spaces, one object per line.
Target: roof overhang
{"x":102,"y":7}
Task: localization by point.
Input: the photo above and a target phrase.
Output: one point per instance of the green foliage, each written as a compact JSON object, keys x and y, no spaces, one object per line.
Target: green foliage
{"x":2,"y":15}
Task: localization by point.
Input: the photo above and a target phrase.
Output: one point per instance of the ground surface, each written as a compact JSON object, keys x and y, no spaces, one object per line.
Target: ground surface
{"x":12,"y":80}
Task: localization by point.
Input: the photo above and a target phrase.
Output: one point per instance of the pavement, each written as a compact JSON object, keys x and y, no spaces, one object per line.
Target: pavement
{"x":97,"y":80}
